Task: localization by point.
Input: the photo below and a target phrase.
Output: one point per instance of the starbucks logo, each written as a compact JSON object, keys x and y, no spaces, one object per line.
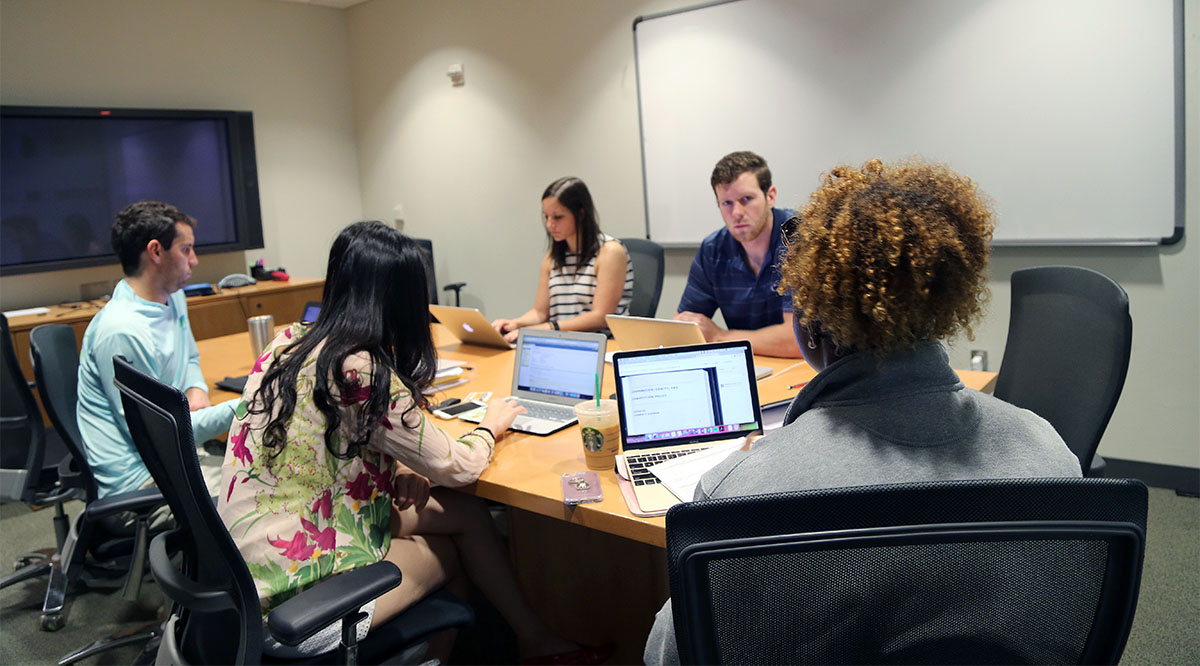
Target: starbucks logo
{"x":593,"y":440}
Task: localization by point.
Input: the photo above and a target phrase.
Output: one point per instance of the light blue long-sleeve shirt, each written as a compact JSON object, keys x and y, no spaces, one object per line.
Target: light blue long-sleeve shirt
{"x":156,"y":339}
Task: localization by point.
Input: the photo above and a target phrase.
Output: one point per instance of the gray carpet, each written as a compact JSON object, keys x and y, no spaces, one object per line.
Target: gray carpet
{"x":1164,"y":632}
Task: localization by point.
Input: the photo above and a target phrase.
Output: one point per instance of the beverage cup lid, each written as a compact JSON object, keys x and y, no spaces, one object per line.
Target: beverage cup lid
{"x":589,"y":408}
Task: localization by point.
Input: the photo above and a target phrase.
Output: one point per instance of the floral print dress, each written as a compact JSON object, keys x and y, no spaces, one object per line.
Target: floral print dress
{"x":303,"y":514}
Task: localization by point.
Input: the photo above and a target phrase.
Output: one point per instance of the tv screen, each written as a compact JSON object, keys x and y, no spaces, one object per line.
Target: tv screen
{"x":65,"y":172}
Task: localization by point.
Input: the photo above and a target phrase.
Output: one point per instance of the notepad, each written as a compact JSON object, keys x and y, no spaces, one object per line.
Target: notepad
{"x":27,"y":311}
{"x":681,"y":475}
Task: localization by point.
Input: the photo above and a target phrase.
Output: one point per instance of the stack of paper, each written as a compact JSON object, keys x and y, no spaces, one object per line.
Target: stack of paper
{"x":681,"y":475}
{"x":449,"y":374}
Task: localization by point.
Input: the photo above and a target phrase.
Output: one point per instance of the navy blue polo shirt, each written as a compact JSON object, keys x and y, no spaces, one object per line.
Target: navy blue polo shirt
{"x":720,"y":278}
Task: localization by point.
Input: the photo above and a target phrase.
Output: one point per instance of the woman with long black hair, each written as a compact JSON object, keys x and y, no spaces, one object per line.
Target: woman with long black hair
{"x":330,"y":455}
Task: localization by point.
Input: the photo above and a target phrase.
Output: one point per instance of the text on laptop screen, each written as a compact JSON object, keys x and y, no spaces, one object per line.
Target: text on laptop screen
{"x":687,"y":394}
{"x":558,"y":366}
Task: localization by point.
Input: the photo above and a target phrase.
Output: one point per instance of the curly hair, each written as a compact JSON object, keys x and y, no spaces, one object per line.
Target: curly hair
{"x":887,"y":256}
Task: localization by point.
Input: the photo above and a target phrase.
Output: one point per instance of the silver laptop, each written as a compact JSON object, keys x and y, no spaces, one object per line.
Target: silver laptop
{"x":469,"y":325}
{"x":645,"y":333}
{"x":553,"y":371}
{"x":679,"y":400}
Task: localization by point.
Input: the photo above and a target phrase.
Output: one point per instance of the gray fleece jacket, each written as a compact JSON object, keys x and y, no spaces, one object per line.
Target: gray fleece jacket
{"x":863,"y":421}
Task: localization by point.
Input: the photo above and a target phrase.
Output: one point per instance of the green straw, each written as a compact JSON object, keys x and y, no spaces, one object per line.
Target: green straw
{"x":597,"y":390}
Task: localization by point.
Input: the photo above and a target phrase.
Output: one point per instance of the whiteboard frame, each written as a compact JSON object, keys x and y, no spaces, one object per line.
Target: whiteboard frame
{"x":1180,"y":137}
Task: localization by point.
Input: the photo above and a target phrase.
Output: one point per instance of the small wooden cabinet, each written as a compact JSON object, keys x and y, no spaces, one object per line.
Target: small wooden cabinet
{"x":211,"y":316}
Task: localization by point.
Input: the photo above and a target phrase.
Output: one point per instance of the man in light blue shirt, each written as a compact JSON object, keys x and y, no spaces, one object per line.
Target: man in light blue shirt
{"x":146,"y":322}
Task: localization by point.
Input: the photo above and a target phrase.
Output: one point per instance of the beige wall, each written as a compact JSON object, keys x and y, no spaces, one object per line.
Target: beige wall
{"x":285,"y":62}
{"x":550,"y":91}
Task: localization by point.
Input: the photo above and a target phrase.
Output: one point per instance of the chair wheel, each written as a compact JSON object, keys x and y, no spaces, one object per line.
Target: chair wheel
{"x":22,"y":562}
{"x":52,"y":622}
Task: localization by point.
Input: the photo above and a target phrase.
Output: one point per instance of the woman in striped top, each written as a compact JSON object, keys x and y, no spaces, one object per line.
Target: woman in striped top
{"x":585,"y":274}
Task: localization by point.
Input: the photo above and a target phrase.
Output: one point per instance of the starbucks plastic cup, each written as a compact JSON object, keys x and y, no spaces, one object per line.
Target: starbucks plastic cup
{"x":600,"y":429}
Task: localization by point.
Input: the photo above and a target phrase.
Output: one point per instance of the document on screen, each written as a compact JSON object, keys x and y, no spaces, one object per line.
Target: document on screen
{"x":672,"y":400}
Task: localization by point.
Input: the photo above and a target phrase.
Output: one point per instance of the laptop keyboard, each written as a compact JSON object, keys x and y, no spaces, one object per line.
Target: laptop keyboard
{"x":541,"y":410}
{"x":639,"y":464}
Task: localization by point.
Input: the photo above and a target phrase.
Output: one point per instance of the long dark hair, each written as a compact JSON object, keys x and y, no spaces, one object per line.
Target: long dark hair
{"x":573,"y":194}
{"x":375,"y":301}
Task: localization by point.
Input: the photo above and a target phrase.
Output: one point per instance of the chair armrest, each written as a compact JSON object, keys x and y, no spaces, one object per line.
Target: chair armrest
{"x":454,"y":286}
{"x":138,"y":501}
{"x":332,"y":599}
{"x":182,"y":590}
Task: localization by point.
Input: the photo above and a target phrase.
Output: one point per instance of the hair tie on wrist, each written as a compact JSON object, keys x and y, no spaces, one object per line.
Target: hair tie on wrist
{"x":554,"y":325}
{"x":488,"y":431}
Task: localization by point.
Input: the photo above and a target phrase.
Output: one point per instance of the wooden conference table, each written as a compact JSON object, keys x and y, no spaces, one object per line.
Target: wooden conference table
{"x":595,"y":572}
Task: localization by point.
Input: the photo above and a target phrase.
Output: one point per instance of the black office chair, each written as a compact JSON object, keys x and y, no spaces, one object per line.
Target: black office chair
{"x":998,"y":571}
{"x":29,"y":460}
{"x":431,"y":277}
{"x":648,"y":266}
{"x":218,"y":619}
{"x":1069,"y":338}
{"x":93,"y":554}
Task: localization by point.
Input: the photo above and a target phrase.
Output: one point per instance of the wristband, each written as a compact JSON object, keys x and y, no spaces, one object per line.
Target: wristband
{"x":554,"y":325}
{"x":488,"y":431}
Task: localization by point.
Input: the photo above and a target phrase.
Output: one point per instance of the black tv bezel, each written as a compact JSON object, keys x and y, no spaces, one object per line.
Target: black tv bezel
{"x":243,"y":166}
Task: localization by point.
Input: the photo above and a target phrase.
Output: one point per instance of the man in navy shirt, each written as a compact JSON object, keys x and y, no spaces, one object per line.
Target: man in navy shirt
{"x":735,"y":269}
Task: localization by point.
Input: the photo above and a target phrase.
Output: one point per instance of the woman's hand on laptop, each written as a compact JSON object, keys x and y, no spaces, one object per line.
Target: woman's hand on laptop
{"x":500,"y":415}
{"x":503,"y":326}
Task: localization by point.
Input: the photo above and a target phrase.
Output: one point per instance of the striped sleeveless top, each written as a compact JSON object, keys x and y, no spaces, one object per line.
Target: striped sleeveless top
{"x":572,"y":291}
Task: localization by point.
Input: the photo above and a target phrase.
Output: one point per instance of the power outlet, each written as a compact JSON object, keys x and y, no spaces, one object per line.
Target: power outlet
{"x":979,"y":359}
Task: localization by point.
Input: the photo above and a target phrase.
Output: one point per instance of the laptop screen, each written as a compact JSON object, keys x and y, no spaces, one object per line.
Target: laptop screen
{"x":682,"y":395}
{"x":311,"y":310}
{"x":558,"y":367}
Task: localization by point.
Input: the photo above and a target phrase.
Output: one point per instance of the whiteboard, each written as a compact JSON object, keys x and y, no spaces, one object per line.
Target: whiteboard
{"x":1068,"y":113}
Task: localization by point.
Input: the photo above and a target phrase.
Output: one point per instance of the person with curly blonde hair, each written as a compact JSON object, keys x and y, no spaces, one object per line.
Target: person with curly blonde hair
{"x":883,"y":263}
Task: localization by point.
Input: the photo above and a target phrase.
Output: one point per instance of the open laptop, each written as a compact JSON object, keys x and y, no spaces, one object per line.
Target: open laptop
{"x":469,"y":325}
{"x":645,"y":333}
{"x":312,"y":310}
{"x":553,"y":371}
{"x":677,"y":400}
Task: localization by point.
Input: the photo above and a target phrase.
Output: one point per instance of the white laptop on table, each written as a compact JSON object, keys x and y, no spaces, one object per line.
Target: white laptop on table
{"x":679,"y":400}
{"x":552,"y":371}
{"x":469,"y":325}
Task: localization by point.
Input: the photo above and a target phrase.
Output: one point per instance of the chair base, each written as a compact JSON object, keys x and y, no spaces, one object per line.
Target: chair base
{"x":28,"y":566}
{"x":141,"y":634}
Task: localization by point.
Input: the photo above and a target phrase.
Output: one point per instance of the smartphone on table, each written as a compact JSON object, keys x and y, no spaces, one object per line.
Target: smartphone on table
{"x":457,"y":409}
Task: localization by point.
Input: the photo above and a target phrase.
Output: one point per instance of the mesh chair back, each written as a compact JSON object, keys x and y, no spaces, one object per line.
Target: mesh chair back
{"x":56,"y":368}
{"x":1069,"y":334}
{"x":161,"y":427}
{"x":23,"y":453}
{"x":1006,"y":571}
{"x":648,"y":267}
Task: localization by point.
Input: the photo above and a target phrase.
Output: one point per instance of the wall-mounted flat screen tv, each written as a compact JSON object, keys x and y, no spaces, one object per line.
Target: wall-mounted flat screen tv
{"x":65,"y":172}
